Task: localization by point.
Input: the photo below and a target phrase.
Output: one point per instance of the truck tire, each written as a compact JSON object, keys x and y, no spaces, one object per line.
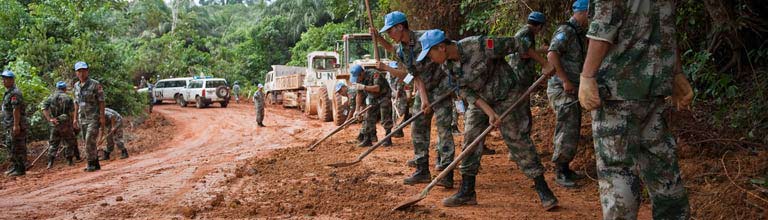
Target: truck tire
{"x":324,"y":106}
{"x":338,"y":112}
{"x":180,"y":101}
{"x":271,"y":98}
{"x":199,"y":102}
{"x":222,"y":92}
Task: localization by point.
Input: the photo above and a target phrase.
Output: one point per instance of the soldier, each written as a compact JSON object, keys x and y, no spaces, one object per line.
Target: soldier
{"x":89,"y":105}
{"x":399,"y":101}
{"x":490,"y":86}
{"x":430,"y":84}
{"x":373,"y":90}
{"x":343,"y":91}
{"x":15,"y":125}
{"x":114,"y":137}
{"x":258,"y":103}
{"x":59,"y":110}
{"x":142,"y":82}
{"x":236,"y":92}
{"x":566,"y":53}
{"x":632,"y":64}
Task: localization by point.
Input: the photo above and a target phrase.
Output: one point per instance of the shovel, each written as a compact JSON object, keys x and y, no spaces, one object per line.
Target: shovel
{"x":468,"y":149}
{"x":341,"y":127}
{"x":378,"y":144}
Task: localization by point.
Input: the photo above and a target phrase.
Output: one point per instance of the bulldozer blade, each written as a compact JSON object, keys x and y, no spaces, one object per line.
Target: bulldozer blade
{"x":470,"y":148}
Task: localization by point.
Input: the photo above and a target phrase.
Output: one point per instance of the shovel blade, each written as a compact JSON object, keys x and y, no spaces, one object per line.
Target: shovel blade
{"x":343,"y":164}
{"x":410,"y":202}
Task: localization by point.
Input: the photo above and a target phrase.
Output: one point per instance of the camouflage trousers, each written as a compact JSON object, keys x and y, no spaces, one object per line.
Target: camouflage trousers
{"x":259,"y":113}
{"x":455,"y":114}
{"x":634,"y":144}
{"x":380,"y":112}
{"x":568,"y":125}
{"x":115,"y":138}
{"x":62,"y":133}
{"x":515,"y":130}
{"x":17,"y":147}
{"x":91,"y":131}
{"x":422,"y":128}
{"x":401,"y":104}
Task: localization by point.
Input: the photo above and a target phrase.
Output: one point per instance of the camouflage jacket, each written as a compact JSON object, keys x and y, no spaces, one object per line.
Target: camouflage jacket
{"x":11,"y":100}
{"x":426,"y":70}
{"x":482,"y":72}
{"x":570,"y":43}
{"x":88,"y":95}
{"x":113,"y":115}
{"x":640,"y":63}
{"x":60,"y":105}
{"x":258,"y":98}
{"x":373,"y":77}
{"x":523,"y":65}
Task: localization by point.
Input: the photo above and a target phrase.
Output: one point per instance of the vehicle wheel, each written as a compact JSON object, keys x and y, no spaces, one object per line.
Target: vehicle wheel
{"x":271,"y":98}
{"x":180,"y":101}
{"x":324,"y":106}
{"x":199,"y":102}
{"x":224,"y":104}
{"x":338,"y":114}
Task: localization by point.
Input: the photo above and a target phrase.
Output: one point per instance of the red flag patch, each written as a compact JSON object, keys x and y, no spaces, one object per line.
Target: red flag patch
{"x":13,"y":98}
{"x":489,"y":43}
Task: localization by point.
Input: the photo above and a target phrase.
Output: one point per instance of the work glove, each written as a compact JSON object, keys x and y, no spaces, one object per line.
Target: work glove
{"x":589,"y":97}
{"x":359,"y":87}
{"x":682,"y":93}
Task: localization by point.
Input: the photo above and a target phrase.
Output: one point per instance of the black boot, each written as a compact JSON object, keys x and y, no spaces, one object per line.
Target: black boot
{"x":96,"y":163}
{"x":488,"y":151}
{"x":548,"y":199}
{"x":20,"y":169}
{"x":50,"y":162}
{"x":70,"y":162}
{"x":11,"y":168}
{"x":455,"y":130}
{"x":411,"y":163}
{"x":261,"y":124}
{"x":561,"y":176}
{"x":421,"y":175}
{"x":447,"y":181}
{"x":398,"y":134}
{"x":91,"y":166}
{"x":123,"y":153}
{"x":466,"y":194}
{"x":106,"y":155}
{"x":366,"y":142}
{"x":77,"y":155}
{"x":388,"y":141}
{"x":360,"y":137}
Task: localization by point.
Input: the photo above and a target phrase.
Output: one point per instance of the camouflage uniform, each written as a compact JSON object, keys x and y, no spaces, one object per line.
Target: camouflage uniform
{"x":17,"y":145}
{"x":400,"y":102}
{"x":258,"y":102}
{"x":88,"y":95}
{"x":382,"y":110}
{"x":436,"y":84}
{"x":115,"y":138}
{"x":61,"y":107}
{"x":483,"y":74}
{"x":569,"y":42}
{"x":632,"y":140}
{"x":524,"y":66}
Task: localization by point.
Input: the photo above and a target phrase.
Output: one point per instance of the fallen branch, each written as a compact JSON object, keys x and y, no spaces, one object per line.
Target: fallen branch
{"x":722,"y":160}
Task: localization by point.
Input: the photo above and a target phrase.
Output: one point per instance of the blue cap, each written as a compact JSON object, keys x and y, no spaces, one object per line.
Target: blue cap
{"x":339,"y":86}
{"x":8,"y":74}
{"x":81,"y":65}
{"x":537,"y":17}
{"x":61,"y":85}
{"x":236,"y":82}
{"x":355,"y":71}
{"x":580,"y":5}
{"x":392,"y":19}
{"x":393,"y":64}
{"x":428,"y":39}
{"x":261,"y":85}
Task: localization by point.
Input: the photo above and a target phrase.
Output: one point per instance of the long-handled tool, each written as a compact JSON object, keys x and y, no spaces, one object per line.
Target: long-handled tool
{"x":341,"y":127}
{"x":468,"y":149}
{"x":38,"y":158}
{"x":375,"y":40}
{"x":399,"y":127}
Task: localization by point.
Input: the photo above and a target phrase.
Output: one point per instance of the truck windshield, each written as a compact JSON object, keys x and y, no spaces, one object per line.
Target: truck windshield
{"x":359,"y":47}
{"x":323,"y":63}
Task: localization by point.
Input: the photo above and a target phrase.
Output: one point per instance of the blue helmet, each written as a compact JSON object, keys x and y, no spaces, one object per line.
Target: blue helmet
{"x":355,"y":71}
{"x":8,"y":74}
{"x":261,"y":85}
{"x":580,"y":5}
{"x":392,"y":19}
{"x":393,"y":64}
{"x":61,"y":85}
{"x":339,"y":86}
{"x":537,"y":17}
{"x":428,"y":40}
{"x":81,"y":65}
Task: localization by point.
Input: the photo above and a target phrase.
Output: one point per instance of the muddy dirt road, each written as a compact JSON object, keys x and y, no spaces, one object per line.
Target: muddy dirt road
{"x":182,"y":174}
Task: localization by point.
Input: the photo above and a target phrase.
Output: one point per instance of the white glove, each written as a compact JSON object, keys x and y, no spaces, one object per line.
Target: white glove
{"x":359,"y":87}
